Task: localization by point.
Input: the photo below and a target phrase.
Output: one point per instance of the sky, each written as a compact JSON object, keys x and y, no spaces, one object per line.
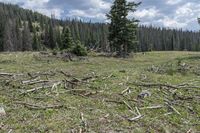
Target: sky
{"x":160,"y":13}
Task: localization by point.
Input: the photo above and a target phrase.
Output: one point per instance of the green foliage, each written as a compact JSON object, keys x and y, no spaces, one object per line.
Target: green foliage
{"x":122,"y":31}
{"x":67,"y":40}
{"x":54,"y":52}
{"x":52,"y":39}
{"x":79,"y":49}
{"x":35,"y":45}
{"x":26,"y":39}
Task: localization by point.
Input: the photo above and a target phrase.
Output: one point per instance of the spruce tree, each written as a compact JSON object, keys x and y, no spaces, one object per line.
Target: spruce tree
{"x":67,"y":40}
{"x":58,"y":38}
{"x":8,"y":42}
{"x":18,"y":42}
{"x":30,"y":25}
{"x":122,"y":31}
{"x":27,"y":39}
{"x":52,"y":39}
{"x":35,"y":45}
{"x":1,"y":34}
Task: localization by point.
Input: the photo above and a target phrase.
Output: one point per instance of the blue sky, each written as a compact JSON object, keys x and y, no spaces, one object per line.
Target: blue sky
{"x":164,"y":13}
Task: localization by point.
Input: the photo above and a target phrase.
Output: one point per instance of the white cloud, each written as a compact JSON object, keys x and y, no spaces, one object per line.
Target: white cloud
{"x":172,"y":23}
{"x":37,"y":5}
{"x":97,"y":10}
{"x":173,"y":2}
{"x":185,"y":10}
{"x":90,"y":13}
{"x":56,"y":11}
{"x":144,"y":13}
{"x":100,"y":4}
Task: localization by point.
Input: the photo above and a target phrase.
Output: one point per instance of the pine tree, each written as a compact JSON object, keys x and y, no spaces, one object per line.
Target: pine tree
{"x":35,"y":45}
{"x":27,"y":39}
{"x":52,"y":40}
{"x":18,"y":36}
{"x":58,"y":38}
{"x":1,"y":34}
{"x":67,"y":40}
{"x":122,"y":31}
{"x":7,"y":39}
{"x":30,"y":24}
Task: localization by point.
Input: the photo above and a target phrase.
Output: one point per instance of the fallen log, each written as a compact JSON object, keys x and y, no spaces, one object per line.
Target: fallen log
{"x":35,"y":82}
{"x":153,"y":107}
{"x":35,"y":106}
{"x":10,"y":74}
{"x":155,"y":85}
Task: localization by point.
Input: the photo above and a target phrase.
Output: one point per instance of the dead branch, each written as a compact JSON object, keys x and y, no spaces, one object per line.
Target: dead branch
{"x":84,"y":124}
{"x":155,"y":85}
{"x":32,"y":80}
{"x":35,"y":82}
{"x":128,"y":105}
{"x":107,"y":77}
{"x":153,"y":107}
{"x":35,"y":106}
{"x":127,"y":90}
{"x":91,"y":93}
{"x":42,"y":87}
{"x":113,"y":101}
{"x":36,"y":89}
{"x":174,"y":109}
{"x":86,"y":78}
{"x":10,"y":74}
{"x":162,"y":85}
{"x":74,"y":90}
{"x":65,"y":74}
{"x":55,"y":85}
{"x":139,"y":116}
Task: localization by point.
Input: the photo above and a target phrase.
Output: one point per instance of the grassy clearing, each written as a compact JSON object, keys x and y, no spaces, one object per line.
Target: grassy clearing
{"x":104,"y":110}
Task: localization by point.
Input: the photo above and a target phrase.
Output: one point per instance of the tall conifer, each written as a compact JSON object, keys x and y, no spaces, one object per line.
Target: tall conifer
{"x":122,"y":30}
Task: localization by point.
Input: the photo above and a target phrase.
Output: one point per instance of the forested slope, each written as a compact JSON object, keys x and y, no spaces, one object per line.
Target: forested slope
{"x":25,"y":30}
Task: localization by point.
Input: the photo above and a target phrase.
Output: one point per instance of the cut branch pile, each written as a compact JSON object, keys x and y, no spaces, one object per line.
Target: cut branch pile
{"x":34,"y":82}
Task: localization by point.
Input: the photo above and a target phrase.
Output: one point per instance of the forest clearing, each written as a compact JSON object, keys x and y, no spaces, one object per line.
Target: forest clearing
{"x":99,"y":66}
{"x":153,"y":91}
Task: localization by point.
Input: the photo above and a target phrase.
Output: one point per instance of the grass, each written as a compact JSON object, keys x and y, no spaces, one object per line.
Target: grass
{"x":99,"y":115}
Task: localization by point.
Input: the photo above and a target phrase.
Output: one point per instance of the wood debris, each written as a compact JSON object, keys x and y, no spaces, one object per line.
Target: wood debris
{"x":2,"y":111}
{"x":139,"y":116}
{"x":40,"y":107}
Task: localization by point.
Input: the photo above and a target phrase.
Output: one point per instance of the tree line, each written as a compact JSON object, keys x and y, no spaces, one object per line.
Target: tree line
{"x":164,"y":39}
{"x":25,"y":30}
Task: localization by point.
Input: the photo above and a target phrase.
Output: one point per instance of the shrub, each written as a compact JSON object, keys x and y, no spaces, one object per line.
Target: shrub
{"x":79,"y":49}
{"x":54,"y":52}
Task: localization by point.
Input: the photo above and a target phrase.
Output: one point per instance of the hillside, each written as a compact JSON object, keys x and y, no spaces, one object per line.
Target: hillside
{"x":157,"y":92}
{"x":43,"y":33}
